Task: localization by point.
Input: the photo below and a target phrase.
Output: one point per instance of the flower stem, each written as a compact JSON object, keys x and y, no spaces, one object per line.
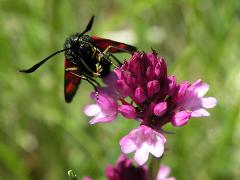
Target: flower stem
{"x":153,"y":168}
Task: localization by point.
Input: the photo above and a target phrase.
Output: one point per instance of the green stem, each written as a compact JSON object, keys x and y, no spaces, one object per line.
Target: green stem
{"x":153,"y":168}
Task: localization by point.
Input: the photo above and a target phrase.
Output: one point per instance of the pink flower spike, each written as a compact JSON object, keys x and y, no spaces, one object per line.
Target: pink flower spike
{"x":181,"y":118}
{"x":105,"y":110}
{"x":163,"y":173}
{"x":127,"y":111}
{"x":143,"y":140}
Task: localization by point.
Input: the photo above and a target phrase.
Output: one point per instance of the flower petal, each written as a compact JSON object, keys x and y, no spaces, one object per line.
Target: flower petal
{"x":181,"y":93}
{"x":199,"y":113}
{"x":181,"y":118}
{"x":201,"y":88}
{"x":127,"y":145}
{"x":123,"y":88}
{"x":127,"y":111}
{"x":107,"y":104}
{"x":140,"y":95}
{"x":163,"y":172}
{"x":101,"y":117}
{"x":141,"y":155}
{"x":209,"y":102}
{"x":157,"y":149}
{"x":152,"y":87}
{"x":91,"y":110}
{"x":111,"y":79}
{"x":160,"y":108}
{"x":172,"y":84}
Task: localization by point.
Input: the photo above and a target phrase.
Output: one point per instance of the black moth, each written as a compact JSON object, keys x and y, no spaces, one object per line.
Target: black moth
{"x":86,"y":57}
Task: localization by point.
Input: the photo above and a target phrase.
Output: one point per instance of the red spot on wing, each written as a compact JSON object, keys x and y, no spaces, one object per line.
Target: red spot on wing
{"x":71,"y":81}
{"x":70,"y":87}
{"x":102,"y":44}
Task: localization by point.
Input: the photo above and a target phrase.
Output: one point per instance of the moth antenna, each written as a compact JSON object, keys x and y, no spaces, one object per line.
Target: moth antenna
{"x":36,"y":66}
{"x":88,"y":27}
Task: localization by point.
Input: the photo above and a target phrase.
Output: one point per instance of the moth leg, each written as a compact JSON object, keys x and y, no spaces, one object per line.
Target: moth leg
{"x":114,"y":47}
{"x":94,"y":52}
{"x":82,"y":77}
{"x":106,"y":55}
{"x":86,"y":66}
{"x":86,"y":79}
{"x":71,"y":69}
{"x":114,"y":57}
{"x":92,"y":79}
{"x":111,"y":55}
{"x":102,"y":54}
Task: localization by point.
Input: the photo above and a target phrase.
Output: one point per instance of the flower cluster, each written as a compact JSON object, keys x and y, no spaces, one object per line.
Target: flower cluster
{"x":142,"y":90}
{"x":126,"y":170}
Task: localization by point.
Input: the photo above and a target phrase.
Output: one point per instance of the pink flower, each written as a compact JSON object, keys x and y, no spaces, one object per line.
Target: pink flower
{"x":163,"y":173}
{"x":125,"y":170}
{"x":194,"y":100}
{"x":105,"y":109}
{"x":143,"y":140}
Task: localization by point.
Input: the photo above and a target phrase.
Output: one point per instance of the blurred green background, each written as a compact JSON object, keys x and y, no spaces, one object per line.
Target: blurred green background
{"x":42,"y":137}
